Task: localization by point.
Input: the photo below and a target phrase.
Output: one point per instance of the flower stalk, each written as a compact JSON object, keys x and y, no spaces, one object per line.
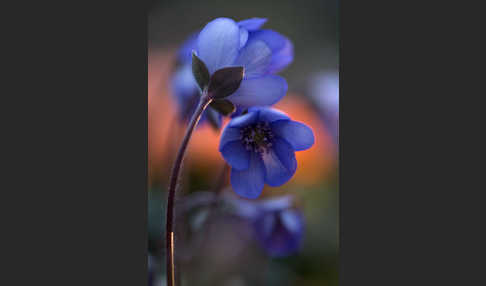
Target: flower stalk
{"x":204,"y":101}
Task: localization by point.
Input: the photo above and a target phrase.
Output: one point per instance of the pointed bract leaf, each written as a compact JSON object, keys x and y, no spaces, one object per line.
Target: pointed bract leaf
{"x":223,"y":106}
{"x":225,"y":82}
{"x":200,"y":71}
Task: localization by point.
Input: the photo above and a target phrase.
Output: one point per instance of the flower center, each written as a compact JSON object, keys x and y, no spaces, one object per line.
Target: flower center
{"x":257,"y":137}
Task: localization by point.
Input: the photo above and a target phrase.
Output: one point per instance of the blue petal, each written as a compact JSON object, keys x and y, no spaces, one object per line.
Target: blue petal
{"x":249,"y":183}
{"x":243,"y":37}
{"x":185,"y":91}
{"x":236,"y":155}
{"x":280,"y":163}
{"x":229,"y":134}
{"x":245,"y":209}
{"x":183,"y":83}
{"x":185,"y":52}
{"x":260,"y":91}
{"x":252,"y":24}
{"x":244,"y":120}
{"x":299,"y":135}
{"x":255,"y":58}
{"x":218,"y":43}
{"x":270,"y":114}
{"x":281,"y":47}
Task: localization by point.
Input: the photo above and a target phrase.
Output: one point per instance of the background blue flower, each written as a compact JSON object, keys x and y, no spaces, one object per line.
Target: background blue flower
{"x":278,"y":226}
{"x":324,"y":90}
{"x":260,"y":148}
{"x":223,"y":42}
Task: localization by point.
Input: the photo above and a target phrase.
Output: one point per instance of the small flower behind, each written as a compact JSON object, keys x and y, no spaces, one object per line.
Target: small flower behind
{"x":260,"y":148}
{"x":278,"y":226}
{"x":324,"y":90}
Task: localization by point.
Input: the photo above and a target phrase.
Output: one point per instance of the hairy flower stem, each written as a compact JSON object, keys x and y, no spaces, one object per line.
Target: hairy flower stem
{"x":204,"y":101}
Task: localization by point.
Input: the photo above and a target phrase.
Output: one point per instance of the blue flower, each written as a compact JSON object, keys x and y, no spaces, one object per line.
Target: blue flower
{"x":278,"y":226}
{"x":260,"y":148}
{"x":282,"y":50}
{"x":224,"y":42}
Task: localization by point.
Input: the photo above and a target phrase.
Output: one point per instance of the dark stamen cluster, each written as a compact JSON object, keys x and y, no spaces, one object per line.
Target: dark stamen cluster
{"x":257,"y":137}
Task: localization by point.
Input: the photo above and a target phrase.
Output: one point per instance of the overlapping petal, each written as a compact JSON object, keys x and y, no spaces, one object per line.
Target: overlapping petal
{"x":261,"y":91}
{"x":229,"y":134}
{"x":299,"y":135}
{"x":255,"y":58}
{"x":252,"y":24}
{"x":280,"y":163}
{"x":218,"y":43}
{"x":236,"y":155}
{"x":249,"y":183}
{"x":281,"y":47}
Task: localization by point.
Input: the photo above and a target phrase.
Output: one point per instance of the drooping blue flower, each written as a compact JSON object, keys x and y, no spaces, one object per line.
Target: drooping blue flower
{"x":250,"y":30}
{"x":278,"y":226}
{"x":224,"y":42}
{"x":260,"y":148}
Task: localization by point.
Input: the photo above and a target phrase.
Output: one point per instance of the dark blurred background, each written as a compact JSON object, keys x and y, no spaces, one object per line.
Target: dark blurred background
{"x":312,"y":99}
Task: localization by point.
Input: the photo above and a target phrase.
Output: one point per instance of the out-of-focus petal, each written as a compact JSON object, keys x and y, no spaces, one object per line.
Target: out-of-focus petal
{"x":185,"y":91}
{"x":249,"y":183}
{"x":236,"y":155}
{"x":299,"y":135}
{"x":281,"y":47}
{"x":291,"y":220}
{"x":252,"y":24}
{"x":260,"y":91}
{"x":218,"y":43}
{"x":245,"y":209}
{"x":229,"y":134}
{"x":185,"y":52}
{"x":276,"y":204}
{"x":280,"y":163}
{"x":183,"y":83}
{"x":255,"y":58}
